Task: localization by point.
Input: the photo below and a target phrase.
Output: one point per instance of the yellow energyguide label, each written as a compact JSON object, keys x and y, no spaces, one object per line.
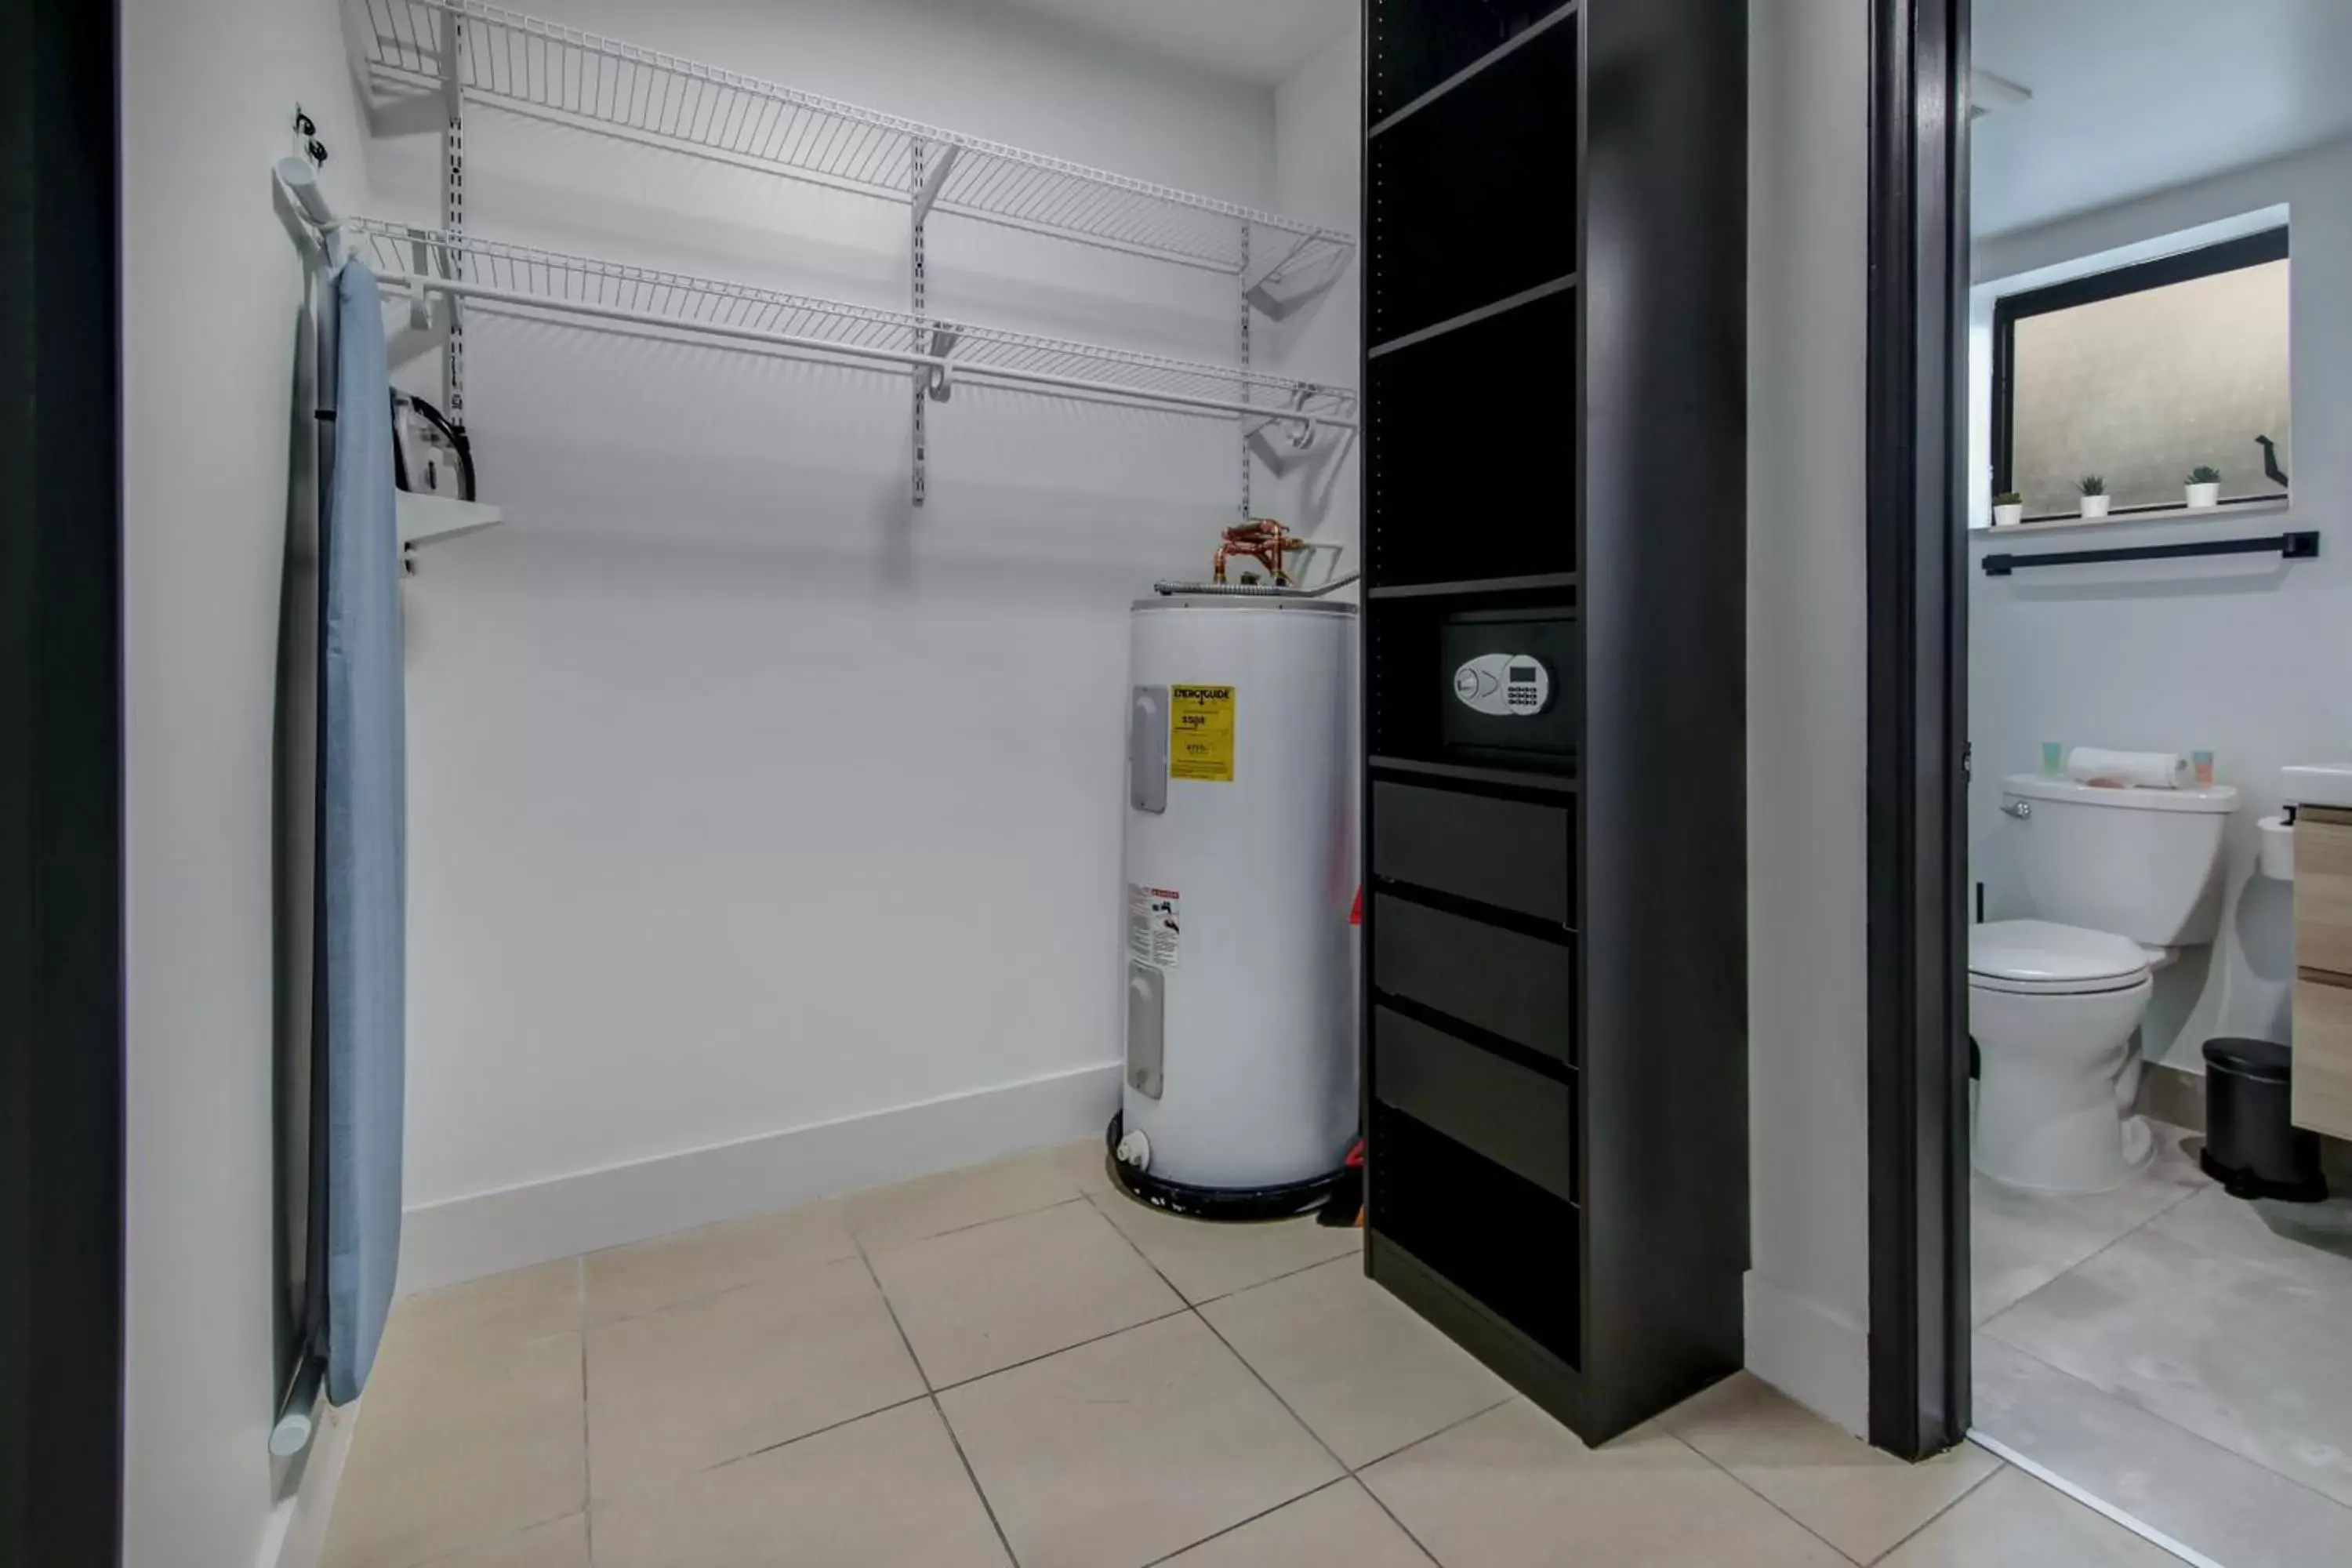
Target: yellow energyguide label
{"x":1200,"y":732}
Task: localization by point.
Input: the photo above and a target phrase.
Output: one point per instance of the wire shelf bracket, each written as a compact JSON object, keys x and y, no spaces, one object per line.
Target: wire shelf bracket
{"x":546,"y":70}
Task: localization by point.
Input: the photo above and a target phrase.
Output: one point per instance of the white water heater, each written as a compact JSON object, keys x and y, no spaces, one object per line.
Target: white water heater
{"x":1241,"y":870}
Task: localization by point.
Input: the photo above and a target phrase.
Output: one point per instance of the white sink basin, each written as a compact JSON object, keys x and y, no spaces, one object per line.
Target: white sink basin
{"x":2319,"y":783}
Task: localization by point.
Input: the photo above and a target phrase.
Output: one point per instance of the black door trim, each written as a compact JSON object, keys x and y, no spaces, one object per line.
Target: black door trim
{"x":61,"y":847}
{"x":1918,"y":727}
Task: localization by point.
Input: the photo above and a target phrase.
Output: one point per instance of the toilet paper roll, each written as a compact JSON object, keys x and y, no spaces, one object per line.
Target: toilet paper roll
{"x":2137,"y":770}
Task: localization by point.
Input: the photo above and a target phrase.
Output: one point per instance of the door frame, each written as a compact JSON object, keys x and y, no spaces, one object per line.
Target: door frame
{"x":1918,"y":746}
{"x":62,"y":1007}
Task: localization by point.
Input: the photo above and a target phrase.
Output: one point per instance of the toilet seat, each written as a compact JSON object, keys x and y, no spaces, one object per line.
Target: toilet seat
{"x":2042,"y":958}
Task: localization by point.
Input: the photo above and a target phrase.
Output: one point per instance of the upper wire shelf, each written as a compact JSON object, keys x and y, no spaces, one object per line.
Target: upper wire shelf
{"x":579,"y":78}
{"x":411,"y":258}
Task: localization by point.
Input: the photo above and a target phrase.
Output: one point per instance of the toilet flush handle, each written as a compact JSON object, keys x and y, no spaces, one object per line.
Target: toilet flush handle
{"x":2021,"y":809}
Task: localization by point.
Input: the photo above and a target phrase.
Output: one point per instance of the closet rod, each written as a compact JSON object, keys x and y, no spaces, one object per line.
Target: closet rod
{"x":956,"y":369}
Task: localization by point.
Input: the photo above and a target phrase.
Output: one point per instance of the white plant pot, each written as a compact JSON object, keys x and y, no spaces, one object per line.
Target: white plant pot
{"x":2009,"y":516}
{"x":2096,"y":506}
{"x":2203,"y":496}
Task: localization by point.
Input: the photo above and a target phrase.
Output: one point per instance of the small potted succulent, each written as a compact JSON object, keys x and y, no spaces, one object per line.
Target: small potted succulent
{"x":2007,"y":510}
{"x":2095,"y":499}
{"x":2204,"y":487}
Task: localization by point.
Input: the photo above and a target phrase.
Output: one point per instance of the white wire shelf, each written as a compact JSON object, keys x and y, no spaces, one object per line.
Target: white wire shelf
{"x":601,"y":84}
{"x":409,"y":258}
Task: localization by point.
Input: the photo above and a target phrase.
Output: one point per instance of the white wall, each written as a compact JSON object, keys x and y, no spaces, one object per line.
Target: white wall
{"x":1807,"y":1285}
{"x":211,"y":287}
{"x":2247,"y":656}
{"x":741,"y":803}
{"x":1318,"y":177}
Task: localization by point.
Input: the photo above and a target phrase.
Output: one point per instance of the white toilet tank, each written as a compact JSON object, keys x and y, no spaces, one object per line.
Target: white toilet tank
{"x":2141,"y":863}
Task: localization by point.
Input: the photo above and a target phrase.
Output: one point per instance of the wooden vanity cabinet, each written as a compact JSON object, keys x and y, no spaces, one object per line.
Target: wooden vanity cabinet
{"x":2323,"y":962}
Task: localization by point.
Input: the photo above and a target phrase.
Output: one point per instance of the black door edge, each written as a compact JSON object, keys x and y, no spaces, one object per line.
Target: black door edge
{"x":1917,"y":1043}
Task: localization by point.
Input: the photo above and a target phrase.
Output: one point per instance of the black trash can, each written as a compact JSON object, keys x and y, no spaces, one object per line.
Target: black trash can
{"x":2252,"y":1147}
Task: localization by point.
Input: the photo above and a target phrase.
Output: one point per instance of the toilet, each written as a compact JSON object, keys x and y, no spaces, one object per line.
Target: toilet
{"x":2117,"y":880}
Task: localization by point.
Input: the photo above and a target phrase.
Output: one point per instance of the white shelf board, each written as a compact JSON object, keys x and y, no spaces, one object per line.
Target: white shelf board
{"x":536,"y":67}
{"x":597,"y":292}
{"x":431,"y":519}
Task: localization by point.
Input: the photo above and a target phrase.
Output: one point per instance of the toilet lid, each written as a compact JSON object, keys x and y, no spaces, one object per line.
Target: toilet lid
{"x":2041,"y":955}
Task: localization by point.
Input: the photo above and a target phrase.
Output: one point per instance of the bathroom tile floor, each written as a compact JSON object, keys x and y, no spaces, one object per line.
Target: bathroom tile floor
{"x":2179,"y":1354}
{"x":1016,"y":1366}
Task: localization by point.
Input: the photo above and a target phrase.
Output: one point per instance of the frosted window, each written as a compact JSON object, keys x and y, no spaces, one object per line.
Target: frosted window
{"x":2142,"y":388}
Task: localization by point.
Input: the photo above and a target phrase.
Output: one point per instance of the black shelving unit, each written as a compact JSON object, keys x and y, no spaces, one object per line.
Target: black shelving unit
{"x":1555,"y":926}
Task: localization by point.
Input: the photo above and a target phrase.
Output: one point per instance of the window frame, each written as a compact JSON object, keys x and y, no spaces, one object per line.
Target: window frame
{"x":2183,"y":267}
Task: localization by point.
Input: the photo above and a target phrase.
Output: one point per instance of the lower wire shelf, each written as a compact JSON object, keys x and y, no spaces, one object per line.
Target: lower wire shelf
{"x":427,"y":261}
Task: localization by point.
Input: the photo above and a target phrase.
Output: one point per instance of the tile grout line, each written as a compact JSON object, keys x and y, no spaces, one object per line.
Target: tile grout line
{"x":1347,"y":1471}
{"x":1048,"y":1355}
{"x":1709,"y":1460}
{"x":1998,"y":1464}
{"x":439,"y":1559}
{"x":830,"y":1426}
{"x":1441,"y":1431}
{"x":928,"y":1394}
{"x":2185,"y":1195}
{"x":2128,"y":1403}
{"x":1345,"y":1468}
{"x":784,"y":1274}
{"x":2082,"y":1262}
{"x":820,"y":1431}
{"x":955,"y":1441}
{"x":939,"y":1410}
{"x":1381,"y":1503}
{"x":587,"y":1457}
{"x":1182,"y":1307}
{"x":2085,"y":1497}
{"x":1278,"y":1279}
{"x":1075,"y":1198}
{"x":1244,"y":1523}
{"x":1402,"y":1529}
{"x":1224,"y":1295}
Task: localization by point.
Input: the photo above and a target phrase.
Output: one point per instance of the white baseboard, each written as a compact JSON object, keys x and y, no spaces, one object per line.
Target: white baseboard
{"x":488,"y":1232}
{"x":1817,"y":1357}
{"x":297,"y":1533}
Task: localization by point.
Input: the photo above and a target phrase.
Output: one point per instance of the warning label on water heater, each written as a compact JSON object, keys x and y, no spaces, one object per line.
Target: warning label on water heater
{"x":1154,"y":924}
{"x":1200,"y":732}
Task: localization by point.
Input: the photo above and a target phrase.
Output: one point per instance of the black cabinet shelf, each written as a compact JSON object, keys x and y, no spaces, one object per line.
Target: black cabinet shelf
{"x":1555,"y":969}
{"x":1422,"y":49}
{"x":1464,"y":773}
{"x":1474,"y":587}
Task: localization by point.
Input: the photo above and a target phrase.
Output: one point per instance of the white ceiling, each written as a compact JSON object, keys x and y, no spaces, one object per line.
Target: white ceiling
{"x":1256,"y":41}
{"x":2131,"y":95}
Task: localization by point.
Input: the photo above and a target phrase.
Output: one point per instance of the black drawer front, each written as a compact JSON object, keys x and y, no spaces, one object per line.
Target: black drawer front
{"x":1471,"y":200}
{"x":1508,"y":853}
{"x":1417,"y":44}
{"x":1522,"y":1121}
{"x":1520,"y":987}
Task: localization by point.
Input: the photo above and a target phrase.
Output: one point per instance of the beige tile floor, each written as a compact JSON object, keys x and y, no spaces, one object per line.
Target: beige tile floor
{"x":1017,"y":1365}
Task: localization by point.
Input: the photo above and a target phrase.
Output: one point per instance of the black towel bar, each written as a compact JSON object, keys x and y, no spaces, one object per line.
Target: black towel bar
{"x":2304,"y":546}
